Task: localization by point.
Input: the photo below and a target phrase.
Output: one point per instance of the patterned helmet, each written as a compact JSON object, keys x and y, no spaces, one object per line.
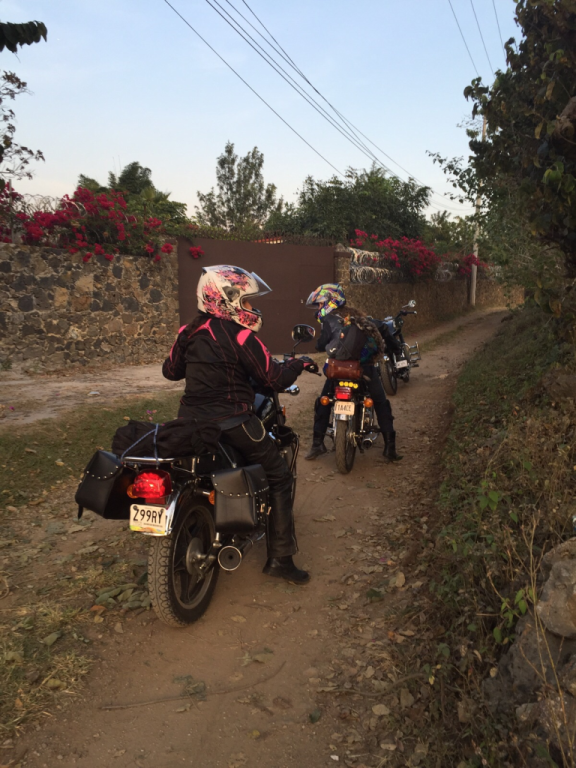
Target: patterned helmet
{"x":222,"y":290}
{"x":325,"y":299}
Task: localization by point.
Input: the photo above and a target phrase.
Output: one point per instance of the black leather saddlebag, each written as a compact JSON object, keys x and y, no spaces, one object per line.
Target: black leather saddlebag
{"x":239,"y":495}
{"x":103,"y":487}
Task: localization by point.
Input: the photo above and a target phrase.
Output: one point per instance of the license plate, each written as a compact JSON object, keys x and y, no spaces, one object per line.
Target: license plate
{"x":148,"y":519}
{"x":344,"y":408}
{"x":402,"y":364}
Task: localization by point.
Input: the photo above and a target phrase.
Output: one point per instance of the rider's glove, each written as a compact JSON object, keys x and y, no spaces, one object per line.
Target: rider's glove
{"x":309,"y":364}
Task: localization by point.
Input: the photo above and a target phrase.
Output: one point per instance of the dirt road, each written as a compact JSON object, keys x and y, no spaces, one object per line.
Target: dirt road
{"x":275,"y":667}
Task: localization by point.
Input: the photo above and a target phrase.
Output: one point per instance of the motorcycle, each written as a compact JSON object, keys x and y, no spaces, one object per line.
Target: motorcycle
{"x":352,"y":424}
{"x":400,"y":357}
{"x":203,"y":512}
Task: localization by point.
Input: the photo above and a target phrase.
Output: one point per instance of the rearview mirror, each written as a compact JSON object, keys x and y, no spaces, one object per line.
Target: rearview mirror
{"x":303,"y":333}
{"x":411,"y":304}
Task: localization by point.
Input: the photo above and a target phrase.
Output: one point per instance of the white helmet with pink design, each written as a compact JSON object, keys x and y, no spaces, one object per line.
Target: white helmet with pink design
{"x":222,"y":291}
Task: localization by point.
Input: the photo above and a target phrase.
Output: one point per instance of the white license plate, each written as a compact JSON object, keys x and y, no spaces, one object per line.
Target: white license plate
{"x":402,"y":364}
{"x":148,"y":519}
{"x":344,"y":408}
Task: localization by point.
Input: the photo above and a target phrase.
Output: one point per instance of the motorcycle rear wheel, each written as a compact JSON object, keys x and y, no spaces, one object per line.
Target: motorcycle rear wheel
{"x":179,"y":597}
{"x":389,"y":380}
{"x":345,"y":446}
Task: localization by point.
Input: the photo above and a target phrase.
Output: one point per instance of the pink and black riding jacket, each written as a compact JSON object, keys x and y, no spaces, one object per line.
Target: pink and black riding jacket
{"x":218,"y":358}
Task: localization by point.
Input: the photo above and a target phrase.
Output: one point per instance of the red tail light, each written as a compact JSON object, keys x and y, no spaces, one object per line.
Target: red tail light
{"x":152,"y":486}
{"x":343,"y":393}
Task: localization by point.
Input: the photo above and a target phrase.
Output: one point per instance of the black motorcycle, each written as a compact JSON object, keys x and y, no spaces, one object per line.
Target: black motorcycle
{"x":203,"y":511}
{"x":400,"y":357}
{"x":352,"y":423}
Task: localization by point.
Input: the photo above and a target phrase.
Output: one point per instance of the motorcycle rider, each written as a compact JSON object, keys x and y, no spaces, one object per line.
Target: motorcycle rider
{"x":218,"y":353}
{"x":332,"y":313}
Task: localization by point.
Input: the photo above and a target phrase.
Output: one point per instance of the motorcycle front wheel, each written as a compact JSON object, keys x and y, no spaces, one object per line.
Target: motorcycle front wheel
{"x":345,"y":446}
{"x":180,"y":591}
{"x":389,"y":380}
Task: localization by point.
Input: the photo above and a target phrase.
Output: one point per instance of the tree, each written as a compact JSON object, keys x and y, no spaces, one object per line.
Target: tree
{"x":242,"y":198}
{"x":133,"y":179}
{"x":367,"y":200}
{"x":530,"y":149}
{"x":14,"y":158}
{"x":13,"y":35}
{"x":142,"y":198}
{"x":449,"y":236}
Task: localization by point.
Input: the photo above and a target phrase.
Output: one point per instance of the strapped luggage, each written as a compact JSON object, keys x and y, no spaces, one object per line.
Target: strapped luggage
{"x":343,"y":369}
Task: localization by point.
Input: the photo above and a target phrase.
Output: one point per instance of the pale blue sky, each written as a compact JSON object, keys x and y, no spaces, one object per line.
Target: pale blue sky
{"x":124,"y":80}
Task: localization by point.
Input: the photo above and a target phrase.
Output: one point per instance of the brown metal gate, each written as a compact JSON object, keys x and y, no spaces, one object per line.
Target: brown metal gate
{"x":292,"y":271}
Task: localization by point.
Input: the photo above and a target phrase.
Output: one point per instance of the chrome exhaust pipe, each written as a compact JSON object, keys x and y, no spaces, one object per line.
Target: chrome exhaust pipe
{"x":230,"y":557}
{"x":368,"y":442}
{"x":415,"y":352}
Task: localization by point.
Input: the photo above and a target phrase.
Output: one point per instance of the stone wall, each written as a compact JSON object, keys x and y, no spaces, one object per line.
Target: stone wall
{"x":435,"y":301}
{"x":56,"y":310}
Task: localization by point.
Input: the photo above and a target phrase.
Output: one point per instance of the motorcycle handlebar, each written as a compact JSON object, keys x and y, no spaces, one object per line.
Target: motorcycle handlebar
{"x":311,"y":367}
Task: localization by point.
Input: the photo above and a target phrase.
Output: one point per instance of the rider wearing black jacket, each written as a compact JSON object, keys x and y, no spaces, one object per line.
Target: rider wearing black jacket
{"x":218,"y":354}
{"x":330,"y":303}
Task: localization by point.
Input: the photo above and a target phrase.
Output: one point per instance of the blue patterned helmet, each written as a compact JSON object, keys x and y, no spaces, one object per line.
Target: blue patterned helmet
{"x":326,"y":298}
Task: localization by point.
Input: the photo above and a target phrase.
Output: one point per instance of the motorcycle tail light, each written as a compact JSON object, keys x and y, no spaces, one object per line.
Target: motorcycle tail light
{"x":324,"y":400}
{"x":152,"y":486}
{"x":343,"y":393}
{"x":368,"y":402}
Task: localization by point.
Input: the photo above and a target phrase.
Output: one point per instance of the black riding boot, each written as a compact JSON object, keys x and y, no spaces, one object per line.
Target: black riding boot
{"x":390,"y":447}
{"x":284,"y":568}
{"x":317,"y":449}
{"x":281,"y":541}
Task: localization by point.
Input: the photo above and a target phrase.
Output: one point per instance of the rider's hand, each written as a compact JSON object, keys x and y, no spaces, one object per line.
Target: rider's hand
{"x":309,"y":364}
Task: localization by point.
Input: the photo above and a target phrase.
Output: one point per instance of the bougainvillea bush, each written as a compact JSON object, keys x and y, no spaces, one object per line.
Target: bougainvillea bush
{"x":412,"y":256}
{"x":90,"y":223}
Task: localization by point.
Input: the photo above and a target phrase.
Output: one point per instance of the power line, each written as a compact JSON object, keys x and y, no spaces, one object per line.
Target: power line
{"x":252,"y":89}
{"x":350,"y":130}
{"x":463,"y":38}
{"x":371,"y":155}
{"x":498,"y":23}
{"x":287,"y":77}
{"x":481,"y":36}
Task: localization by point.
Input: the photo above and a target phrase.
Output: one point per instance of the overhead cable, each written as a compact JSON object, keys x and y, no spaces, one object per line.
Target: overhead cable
{"x":286,"y":76}
{"x":481,"y":36}
{"x":498,"y":24}
{"x":346,"y":128}
{"x":463,"y":38}
{"x":252,"y":89}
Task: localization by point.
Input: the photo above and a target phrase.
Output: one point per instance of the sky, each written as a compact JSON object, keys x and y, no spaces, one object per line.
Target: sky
{"x":125,"y":80}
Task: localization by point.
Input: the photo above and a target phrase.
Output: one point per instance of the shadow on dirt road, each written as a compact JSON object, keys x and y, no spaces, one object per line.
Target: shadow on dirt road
{"x":271,"y":656}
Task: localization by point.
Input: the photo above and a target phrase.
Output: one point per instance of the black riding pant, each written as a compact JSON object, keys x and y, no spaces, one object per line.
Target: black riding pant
{"x":381,"y":404}
{"x":257,"y":447}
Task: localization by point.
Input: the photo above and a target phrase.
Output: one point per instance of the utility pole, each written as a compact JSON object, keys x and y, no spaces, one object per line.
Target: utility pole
{"x":474,"y":271}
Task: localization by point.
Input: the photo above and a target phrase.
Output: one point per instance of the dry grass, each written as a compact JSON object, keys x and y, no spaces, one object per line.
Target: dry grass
{"x":48,"y":586}
{"x":507,"y":498}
